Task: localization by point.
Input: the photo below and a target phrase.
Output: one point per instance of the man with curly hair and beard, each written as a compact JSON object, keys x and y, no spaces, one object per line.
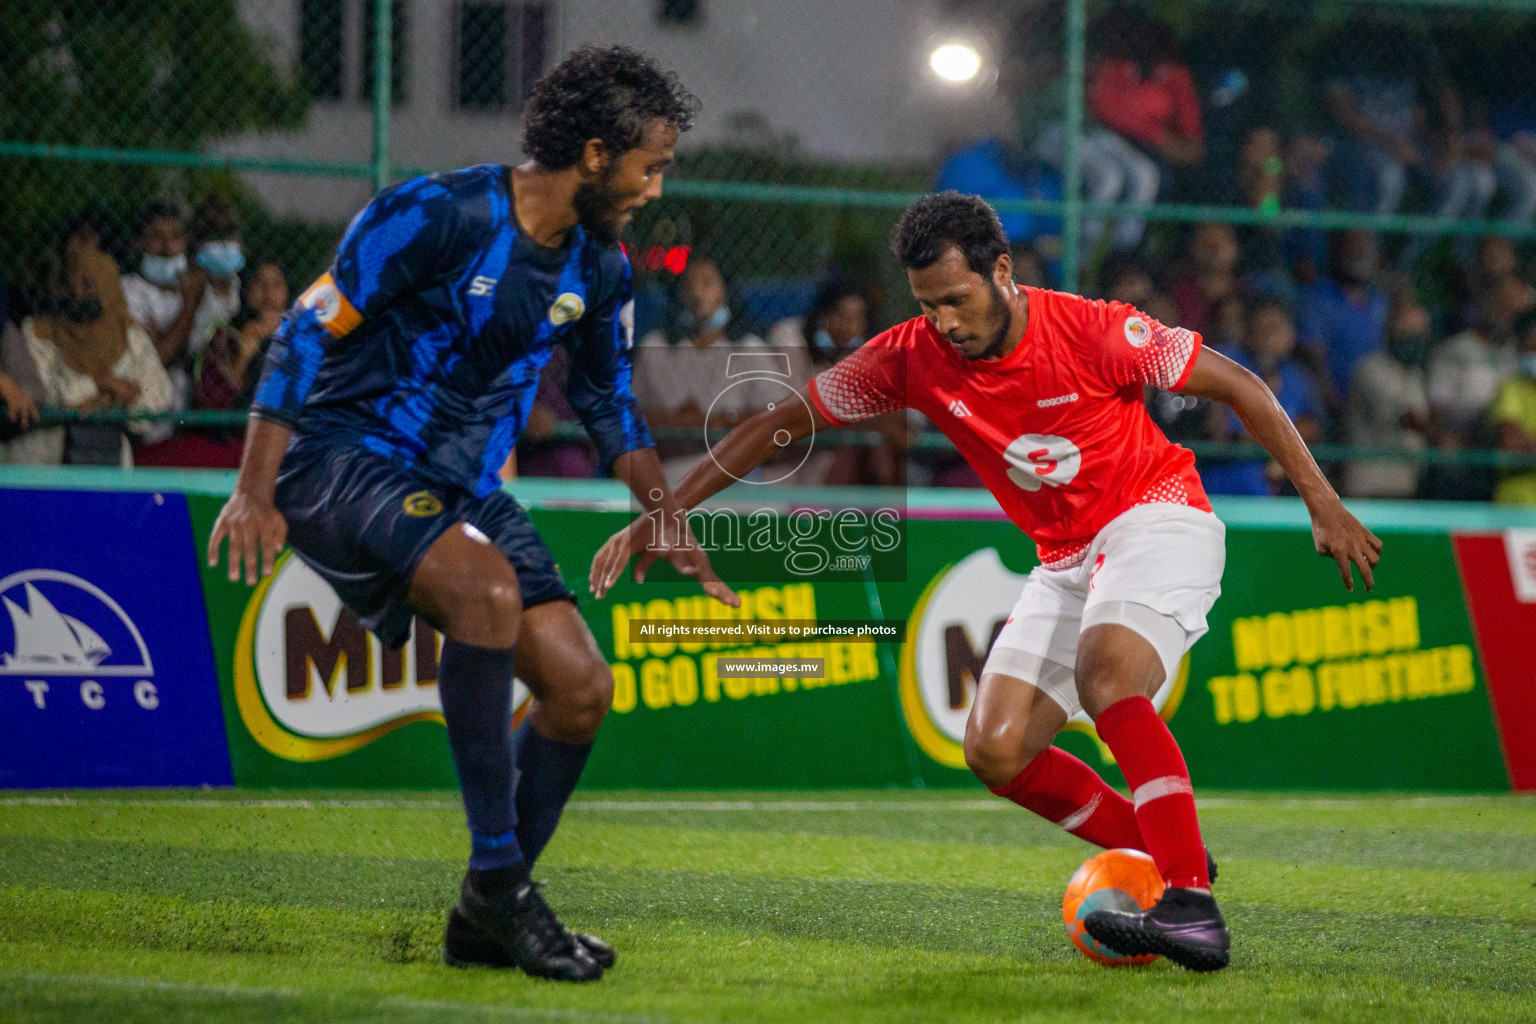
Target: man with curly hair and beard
{"x":392,"y":394}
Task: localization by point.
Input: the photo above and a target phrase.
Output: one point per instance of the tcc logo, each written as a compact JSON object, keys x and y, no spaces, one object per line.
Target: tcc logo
{"x":65,"y":626}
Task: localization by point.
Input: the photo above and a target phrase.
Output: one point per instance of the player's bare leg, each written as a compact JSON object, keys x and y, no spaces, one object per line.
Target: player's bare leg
{"x":1008,"y":745}
{"x":571,"y":683}
{"x":468,"y":589}
{"x":1117,"y":672}
{"x":1011,"y":723}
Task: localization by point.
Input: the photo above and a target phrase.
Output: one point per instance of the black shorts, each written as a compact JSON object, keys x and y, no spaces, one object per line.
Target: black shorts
{"x":364,"y":524}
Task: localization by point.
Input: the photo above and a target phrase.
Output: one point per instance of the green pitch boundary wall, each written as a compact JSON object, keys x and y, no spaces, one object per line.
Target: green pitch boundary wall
{"x":1429,"y":682}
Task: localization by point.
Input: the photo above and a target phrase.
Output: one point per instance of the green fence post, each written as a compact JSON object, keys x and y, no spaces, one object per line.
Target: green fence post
{"x":1072,"y":166}
{"x":383,"y":18}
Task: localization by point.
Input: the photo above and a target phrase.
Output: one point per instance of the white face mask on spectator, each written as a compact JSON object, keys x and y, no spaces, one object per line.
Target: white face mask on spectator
{"x":716,"y":320}
{"x":221,"y":259}
{"x":163,"y":270}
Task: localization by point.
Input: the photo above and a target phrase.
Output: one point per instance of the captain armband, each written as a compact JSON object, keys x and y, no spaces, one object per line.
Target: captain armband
{"x":331,"y":308}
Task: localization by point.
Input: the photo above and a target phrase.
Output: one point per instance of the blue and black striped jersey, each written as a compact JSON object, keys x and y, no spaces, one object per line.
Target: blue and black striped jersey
{"x":425,"y":340}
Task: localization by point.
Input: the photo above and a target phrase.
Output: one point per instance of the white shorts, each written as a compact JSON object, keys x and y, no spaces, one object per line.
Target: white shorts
{"x":1155,"y":569}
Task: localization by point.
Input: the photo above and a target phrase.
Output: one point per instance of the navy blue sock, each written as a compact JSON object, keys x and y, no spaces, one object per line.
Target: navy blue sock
{"x":475,"y":685}
{"x":547,"y":771}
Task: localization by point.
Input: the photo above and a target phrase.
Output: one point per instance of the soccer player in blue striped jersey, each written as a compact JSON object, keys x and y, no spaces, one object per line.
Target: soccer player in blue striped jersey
{"x":393,"y":393}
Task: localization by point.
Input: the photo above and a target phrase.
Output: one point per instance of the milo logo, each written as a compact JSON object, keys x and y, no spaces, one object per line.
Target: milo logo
{"x":312,"y":684}
{"x":951,"y":631}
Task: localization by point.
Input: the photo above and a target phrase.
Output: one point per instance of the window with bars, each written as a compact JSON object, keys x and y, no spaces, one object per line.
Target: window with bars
{"x":400,"y":54}
{"x":500,"y":50}
{"x":321,"y":45}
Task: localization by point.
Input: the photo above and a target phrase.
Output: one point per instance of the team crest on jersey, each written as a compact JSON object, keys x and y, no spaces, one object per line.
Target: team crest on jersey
{"x":1137,"y":332}
{"x":569,"y":306}
{"x":422,"y":505}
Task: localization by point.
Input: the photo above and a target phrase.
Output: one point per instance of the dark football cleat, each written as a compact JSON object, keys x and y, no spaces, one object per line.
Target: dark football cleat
{"x":516,"y":928}
{"x":597,"y":949}
{"x":1184,"y":926}
{"x":1210,"y":866}
{"x":467,"y":946}
{"x":464,"y":945}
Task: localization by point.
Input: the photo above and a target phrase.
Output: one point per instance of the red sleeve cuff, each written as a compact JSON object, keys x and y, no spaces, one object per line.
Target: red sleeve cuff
{"x":821,"y":406}
{"x":1189,"y":365}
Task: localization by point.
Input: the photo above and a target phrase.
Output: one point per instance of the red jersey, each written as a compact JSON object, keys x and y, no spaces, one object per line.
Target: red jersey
{"x":1057,"y":429}
{"x":1145,"y":109}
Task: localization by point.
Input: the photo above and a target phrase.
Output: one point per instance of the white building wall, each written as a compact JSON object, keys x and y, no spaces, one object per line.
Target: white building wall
{"x":844,"y":79}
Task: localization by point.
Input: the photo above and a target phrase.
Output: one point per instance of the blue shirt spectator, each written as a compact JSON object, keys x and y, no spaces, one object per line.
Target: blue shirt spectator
{"x":1372,"y":73}
{"x":1341,"y":317}
{"x":1347,"y":327}
{"x":1267,"y":351}
{"x":991,"y":169}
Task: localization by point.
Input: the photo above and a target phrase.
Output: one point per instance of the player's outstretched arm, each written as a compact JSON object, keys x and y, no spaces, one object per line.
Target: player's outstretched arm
{"x":748,"y":446}
{"x":741,"y":451}
{"x":1335,"y":531}
{"x":255,"y":528}
{"x":663,"y":529}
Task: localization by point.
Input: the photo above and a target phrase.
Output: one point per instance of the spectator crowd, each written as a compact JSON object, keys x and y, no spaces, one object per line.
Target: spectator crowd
{"x":1394,"y":342}
{"x":183,"y":329}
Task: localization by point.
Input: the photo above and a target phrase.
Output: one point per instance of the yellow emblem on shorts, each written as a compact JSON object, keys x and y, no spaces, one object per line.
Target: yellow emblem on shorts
{"x":422,"y":504}
{"x":569,"y":306}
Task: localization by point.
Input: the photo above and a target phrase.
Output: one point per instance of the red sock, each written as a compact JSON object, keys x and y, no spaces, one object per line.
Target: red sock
{"x":1060,"y":788}
{"x":1165,"y":802}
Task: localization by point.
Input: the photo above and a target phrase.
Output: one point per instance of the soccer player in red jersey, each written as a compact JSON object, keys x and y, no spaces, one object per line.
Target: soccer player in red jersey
{"x":1042,"y":393}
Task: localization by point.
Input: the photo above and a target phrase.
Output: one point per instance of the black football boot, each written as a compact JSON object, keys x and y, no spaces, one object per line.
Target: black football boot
{"x":522,"y":928}
{"x":1184,"y":926}
{"x":467,"y":946}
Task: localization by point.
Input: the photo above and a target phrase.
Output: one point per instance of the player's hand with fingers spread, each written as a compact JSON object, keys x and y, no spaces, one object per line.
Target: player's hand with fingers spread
{"x":256,"y":532}
{"x":1341,"y":537}
{"x":657,"y":535}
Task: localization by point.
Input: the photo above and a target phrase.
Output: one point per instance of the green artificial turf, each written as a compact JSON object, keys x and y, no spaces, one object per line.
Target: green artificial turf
{"x":800,"y":908}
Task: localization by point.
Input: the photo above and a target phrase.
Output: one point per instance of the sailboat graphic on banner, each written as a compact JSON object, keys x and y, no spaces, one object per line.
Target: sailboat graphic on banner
{"x":46,"y":641}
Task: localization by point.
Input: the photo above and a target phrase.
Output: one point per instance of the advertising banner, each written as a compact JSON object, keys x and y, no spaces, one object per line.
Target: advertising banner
{"x":1303,"y":684}
{"x":1299,"y":684}
{"x":1499,"y":579}
{"x":312,"y":699}
{"x":106,"y":674}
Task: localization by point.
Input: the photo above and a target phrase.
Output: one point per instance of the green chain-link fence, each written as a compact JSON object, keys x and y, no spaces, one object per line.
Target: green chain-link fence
{"x":1286,"y":121}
